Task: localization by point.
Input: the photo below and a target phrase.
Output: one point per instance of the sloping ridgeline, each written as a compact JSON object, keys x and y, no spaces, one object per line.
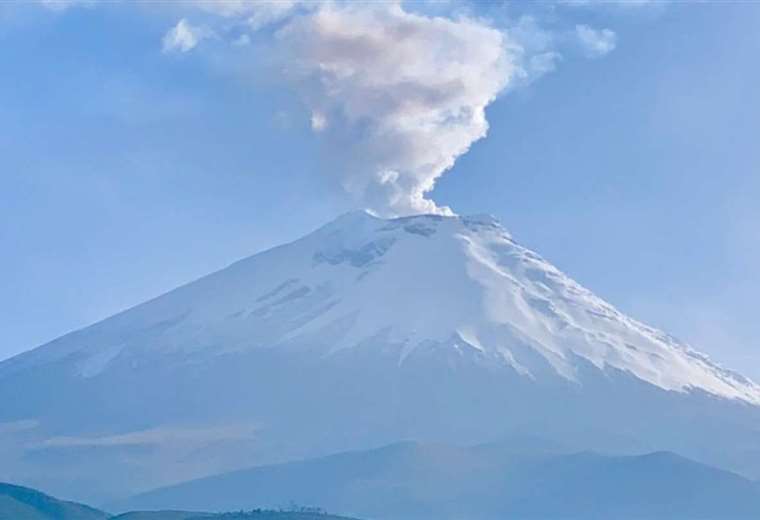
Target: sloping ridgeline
{"x":503,"y":480}
{"x":22,"y":503}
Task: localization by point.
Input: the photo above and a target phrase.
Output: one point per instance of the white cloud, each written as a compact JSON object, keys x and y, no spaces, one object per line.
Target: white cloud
{"x":318,"y":121}
{"x":595,"y":42}
{"x":184,"y":37}
{"x":536,"y":47}
{"x":158,"y":435}
{"x":405,"y":95}
{"x":62,"y":5}
{"x":256,"y":13}
{"x":621,"y":4}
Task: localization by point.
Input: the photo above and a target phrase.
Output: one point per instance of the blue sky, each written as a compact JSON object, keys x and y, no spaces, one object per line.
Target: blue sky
{"x":126,"y":170}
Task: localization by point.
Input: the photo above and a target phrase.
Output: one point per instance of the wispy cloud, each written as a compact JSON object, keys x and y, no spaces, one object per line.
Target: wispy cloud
{"x":184,"y":37}
{"x":595,"y":42}
{"x":536,"y":46}
{"x":619,"y":4}
{"x":62,"y":5}
{"x":255,"y":13}
{"x":18,"y":426}
{"x":155,"y":436}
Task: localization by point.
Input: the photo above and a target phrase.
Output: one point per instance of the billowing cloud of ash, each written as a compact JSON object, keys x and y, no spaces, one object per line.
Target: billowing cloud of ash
{"x":397,"y":96}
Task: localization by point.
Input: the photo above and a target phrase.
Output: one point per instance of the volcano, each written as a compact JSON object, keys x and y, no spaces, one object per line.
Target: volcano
{"x":366,"y":332}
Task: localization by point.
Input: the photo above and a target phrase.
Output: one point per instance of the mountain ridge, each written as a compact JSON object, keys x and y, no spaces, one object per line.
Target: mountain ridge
{"x":436,"y":482}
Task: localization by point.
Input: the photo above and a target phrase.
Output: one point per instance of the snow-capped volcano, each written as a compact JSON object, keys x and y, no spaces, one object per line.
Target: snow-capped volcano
{"x":458,"y":283}
{"x":367,"y":330}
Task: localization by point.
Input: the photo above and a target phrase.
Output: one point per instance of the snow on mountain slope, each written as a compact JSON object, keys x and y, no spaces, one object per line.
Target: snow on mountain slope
{"x":458,"y":283}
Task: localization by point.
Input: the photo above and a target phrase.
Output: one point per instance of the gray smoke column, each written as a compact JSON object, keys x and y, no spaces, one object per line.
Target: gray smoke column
{"x":397,"y":96}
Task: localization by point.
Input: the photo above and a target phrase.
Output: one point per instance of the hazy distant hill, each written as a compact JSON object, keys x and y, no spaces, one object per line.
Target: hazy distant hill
{"x":22,"y":503}
{"x":435,"y":482}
